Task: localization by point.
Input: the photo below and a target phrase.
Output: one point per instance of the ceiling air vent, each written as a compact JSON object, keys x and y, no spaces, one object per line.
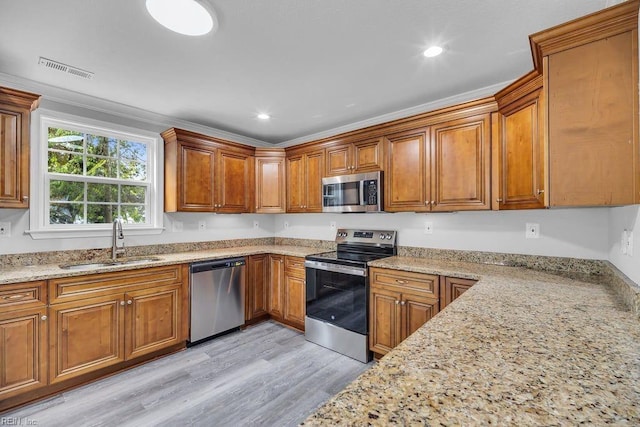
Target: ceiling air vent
{"x":59,"y":66}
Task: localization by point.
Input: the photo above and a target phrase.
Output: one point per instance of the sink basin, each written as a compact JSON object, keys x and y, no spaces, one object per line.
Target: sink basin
{"x":107,"y":263}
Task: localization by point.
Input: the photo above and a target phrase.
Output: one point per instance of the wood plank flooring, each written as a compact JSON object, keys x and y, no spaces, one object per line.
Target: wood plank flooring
{"x":266,"y":375}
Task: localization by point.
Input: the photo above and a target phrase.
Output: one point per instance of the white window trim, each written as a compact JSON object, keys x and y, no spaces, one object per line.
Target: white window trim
{"x":39,"y":223}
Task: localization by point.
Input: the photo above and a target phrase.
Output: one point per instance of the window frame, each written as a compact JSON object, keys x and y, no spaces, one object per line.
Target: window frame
{"x":40,"y":228}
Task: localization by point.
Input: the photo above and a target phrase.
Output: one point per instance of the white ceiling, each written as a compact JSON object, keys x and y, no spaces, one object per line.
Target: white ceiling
{"x":313,"y":65}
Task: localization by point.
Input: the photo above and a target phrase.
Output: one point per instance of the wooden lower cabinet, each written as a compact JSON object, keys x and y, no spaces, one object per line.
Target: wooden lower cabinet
{"x":23,"y":351}
{"x":294,"y":292}
{"x":276,"y":286}
{"x":400,"y":302}
{"x":257,"y":291}
{"x":451,"y":288}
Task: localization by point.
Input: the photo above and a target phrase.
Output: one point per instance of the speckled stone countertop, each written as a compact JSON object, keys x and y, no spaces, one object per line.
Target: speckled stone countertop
{"x":521,"y":347}
{"x":48,"y":271}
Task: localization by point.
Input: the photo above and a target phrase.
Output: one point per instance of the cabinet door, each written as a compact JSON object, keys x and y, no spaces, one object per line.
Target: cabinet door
{"x":407,"y":176}
{"x":295,"y":184}
{"x":294,"y":300}
{"x":461,"y":156}
{"x":339,"y":160}
{"x":594,"y":157}
{"x":152,"y":320}
{"x":416,"y":311}
{"x":451,"y":288}
{"x":257,"y":295}
{"x":197,"y":172}
{"x":23,"y":351}
{"x":384,"y":321}
{"x":519,"y":153}
{"x":314,"y":171}
{"x":367,"y":155}
{"x":234,"y":182}
{"x":270,"y":185}
{"x":276,"y":285}
{"x":14,"y":162}
{"x":85,"y":335}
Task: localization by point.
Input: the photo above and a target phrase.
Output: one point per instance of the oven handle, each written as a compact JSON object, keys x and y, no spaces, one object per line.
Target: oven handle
{"x":336,"y":268}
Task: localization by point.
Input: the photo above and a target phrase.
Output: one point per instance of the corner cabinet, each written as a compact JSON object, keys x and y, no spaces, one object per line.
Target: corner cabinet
{"x":205,"y":174}
{"x":518,"y":154}
{"x":15,"y":112}
{"x":447,"y":164}
{"x":590,"y":71}
{"x":23,"y":339}
{"x":304,"y":180}
{"x":451,"y":288}
{"x":270,"y":180}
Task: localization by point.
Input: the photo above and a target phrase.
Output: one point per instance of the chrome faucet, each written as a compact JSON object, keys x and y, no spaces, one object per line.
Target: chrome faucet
{"x":117,"y":235}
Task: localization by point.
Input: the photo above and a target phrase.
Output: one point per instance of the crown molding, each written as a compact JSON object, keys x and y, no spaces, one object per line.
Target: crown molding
{"x":100,"y":105}
{"x":400,"y":114}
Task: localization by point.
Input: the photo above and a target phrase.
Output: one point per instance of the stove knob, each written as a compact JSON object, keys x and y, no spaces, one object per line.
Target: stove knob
{"x":381,"y":236}
{"x":388,"y":236}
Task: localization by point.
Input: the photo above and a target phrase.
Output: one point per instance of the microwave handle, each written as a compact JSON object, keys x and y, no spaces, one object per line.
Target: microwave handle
{"x":362,"y":202}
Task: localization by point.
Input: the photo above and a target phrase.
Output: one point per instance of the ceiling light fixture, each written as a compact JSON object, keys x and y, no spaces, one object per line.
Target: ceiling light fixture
{"x":433,"y":51}
{"x":188,"y":17}
{"x":263,"y":116}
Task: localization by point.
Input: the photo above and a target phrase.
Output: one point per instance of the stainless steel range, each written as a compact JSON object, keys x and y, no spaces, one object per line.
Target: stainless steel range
{"x":338,"y":291}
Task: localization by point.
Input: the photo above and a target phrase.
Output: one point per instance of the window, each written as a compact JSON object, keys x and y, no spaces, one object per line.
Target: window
{"x":92,"y":175}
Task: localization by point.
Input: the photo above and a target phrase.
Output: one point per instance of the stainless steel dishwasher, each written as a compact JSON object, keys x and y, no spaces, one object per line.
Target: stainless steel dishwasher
{"x":217,"y":297}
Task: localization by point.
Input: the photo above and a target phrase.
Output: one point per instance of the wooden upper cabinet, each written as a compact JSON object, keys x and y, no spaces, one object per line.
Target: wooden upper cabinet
{"x":407,"y":174}
{"x":304,"y":173}
{"x":590,"y":69}
{"x":460,"y":164}
{"x":354,"y":157}
{"x":444,"y":166}
{"x":205,"y":174}
{"x":518,"y":157}
{"x":270,"y":180}
{"x":15,"y":112}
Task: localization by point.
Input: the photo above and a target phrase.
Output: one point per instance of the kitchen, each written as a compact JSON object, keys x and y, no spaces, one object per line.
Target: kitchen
{"x":583,"y":233}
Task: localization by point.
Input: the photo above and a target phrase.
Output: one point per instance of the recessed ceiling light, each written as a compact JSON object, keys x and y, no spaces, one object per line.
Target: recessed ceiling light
{"x":433,"y":51}
{"x":263,"y":116}
{"x":188,"y":17}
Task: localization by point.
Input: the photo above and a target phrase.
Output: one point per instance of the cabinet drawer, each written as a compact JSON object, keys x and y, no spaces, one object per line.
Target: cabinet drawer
{"x":22,"y":295}
{"x":294,"y":265}
{"x":425,"y":283}
{"x":79,"y":287}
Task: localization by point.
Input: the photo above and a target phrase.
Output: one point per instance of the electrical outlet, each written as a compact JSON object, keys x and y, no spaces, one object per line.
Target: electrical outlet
{"x":177,"y":226}
{"x":256,"y":224}
{"x":286,"y":225}
{"x":202,"y":225}
{"x":332,"y":225}
{"x":532,"y":231}
{"x":624,"y":241}
{"x":630,"y":244}
{"x":5,"y":229}
{"x":428,"y":227}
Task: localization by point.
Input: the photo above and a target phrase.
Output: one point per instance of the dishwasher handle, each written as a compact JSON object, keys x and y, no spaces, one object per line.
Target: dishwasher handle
{"x":199,"y":267}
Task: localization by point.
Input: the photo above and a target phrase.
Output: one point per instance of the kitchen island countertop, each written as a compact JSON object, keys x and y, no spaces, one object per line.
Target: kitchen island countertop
{"x":521,"y":347}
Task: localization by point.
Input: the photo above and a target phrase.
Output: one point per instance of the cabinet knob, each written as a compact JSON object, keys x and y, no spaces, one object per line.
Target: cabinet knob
{"x":43,"y":318}
{"x":397,"y":302}
{"x":121,"y":302}
{"x":25,"y":198}
{"x":498,"y":200}
{"x":539,"y":191}
{"x":433,"y":203}
{"x":402,"y":302}
{"x":129,"y":302}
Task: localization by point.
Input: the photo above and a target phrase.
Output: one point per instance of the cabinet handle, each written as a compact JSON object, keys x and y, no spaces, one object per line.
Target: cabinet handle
{"x":43,"y":318}
{"x":498,"y":200}
{"x":129,"y":302}
{"x":539,"y":191}
{"x":12,"y":297}
{"x":121,"y":302}
{"x":426,"y":202}
{"x":402,"y":282}
{"x":403,"y":302}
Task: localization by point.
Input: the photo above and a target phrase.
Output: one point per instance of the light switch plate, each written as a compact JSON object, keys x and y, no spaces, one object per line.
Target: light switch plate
{"x":5,"y":229}
{"x":532,"y":230}
{"x":630,"y":244}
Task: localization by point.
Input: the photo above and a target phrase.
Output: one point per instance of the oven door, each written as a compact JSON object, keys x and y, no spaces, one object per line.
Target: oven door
{"x":338,"y":295}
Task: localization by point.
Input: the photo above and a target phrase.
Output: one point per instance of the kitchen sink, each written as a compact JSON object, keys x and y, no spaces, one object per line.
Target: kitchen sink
{"x":107,"y":263}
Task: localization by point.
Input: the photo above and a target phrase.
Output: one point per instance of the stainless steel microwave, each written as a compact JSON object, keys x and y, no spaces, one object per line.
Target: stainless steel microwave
{"x":360,"y":192}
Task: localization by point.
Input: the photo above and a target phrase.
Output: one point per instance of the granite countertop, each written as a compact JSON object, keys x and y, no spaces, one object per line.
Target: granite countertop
{"x":50,"y":271}
{"x":521,"y":347}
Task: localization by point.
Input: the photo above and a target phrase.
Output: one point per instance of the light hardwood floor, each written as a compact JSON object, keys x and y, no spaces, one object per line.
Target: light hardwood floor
{"x":266,"y":375}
